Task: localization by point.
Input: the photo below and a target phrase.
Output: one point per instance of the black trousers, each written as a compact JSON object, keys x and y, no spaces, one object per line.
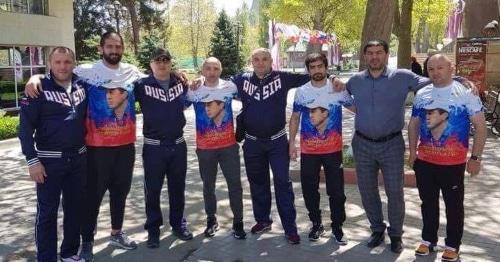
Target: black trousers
{"x":65,"y":175}
{"x":432,"y":178}
{"x":109,"y":168}
{"x":162,"y":161}
{"x":310,"y":167}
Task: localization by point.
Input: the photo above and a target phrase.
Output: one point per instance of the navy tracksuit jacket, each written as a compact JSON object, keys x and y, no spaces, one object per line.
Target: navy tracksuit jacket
{"x":264,"y":104}
{"x":164,"y":151}
{"x":58,"y":121}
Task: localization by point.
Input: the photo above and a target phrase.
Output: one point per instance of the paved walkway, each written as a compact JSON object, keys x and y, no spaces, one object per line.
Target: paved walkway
{"x":480,"y":241}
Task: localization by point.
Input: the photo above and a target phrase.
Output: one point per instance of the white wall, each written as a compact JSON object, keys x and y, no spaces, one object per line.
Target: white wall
{"x":38,"y":30}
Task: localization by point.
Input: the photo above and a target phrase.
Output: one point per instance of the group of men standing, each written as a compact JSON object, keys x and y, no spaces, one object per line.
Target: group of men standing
{"x":84,"y":126}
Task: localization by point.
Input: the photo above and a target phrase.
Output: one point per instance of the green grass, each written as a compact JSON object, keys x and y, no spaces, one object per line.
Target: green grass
{"x":9,"y":127}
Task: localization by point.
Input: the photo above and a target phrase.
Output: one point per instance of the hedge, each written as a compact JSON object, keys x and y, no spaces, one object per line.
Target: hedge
{"x":9,"y":86}
{"x":9,"y":127}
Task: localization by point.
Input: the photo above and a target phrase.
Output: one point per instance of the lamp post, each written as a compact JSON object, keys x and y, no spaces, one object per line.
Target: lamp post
{"x":117,"y":11}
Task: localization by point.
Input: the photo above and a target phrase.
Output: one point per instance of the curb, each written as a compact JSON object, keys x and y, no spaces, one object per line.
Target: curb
{"x":9,"y":143}
{"x":351,"y":178}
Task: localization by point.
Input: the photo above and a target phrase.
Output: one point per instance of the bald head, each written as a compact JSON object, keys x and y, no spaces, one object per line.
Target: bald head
{"x":211,"y":70}
{"x":212,"y":60}
{"x":440,"y":70}
{"x":441,"y":58}
{"x":262,"y":61}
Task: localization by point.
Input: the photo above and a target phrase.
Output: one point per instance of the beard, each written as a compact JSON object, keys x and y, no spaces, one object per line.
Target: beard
{"x":318,"y":77}
{"x":378,"y":66}
{"x":112,"y":58}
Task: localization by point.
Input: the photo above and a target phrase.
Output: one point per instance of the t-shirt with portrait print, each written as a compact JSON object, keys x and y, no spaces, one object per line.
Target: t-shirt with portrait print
{"x":447,"y":141}
{"x":321,"y":117}
{"x":214,"y":115}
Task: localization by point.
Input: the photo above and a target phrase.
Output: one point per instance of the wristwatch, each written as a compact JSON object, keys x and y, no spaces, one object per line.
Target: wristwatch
{"x":476,"y":158}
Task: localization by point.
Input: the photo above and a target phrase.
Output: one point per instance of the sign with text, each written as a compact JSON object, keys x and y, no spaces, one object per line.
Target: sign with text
{"x":471,"y":62}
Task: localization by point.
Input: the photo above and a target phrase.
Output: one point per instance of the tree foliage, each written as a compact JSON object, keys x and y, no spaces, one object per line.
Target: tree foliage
{"x":143,"y":14}
{"x":247,"y":33}
{"x":148,"y":44}
{"x":223,"y":45}
{"x":192,"y":23}
{"x":90,"y":21}
{"x":338,"y":16}
{"x":429,"y":20}
{"x":263,"y":27}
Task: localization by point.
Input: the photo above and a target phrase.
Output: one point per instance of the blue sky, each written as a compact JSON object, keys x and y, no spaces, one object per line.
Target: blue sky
{"x":230,"y":5}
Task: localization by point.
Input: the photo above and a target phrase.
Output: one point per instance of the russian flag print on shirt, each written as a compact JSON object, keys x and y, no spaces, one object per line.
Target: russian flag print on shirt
{"x":321,"y":118}
{"x":214,"y":115}
{"x":445,"y":141}
{"x":111,"y":118}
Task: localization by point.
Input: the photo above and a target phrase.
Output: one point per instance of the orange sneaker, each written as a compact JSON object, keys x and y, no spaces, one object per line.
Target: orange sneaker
{"x":422,"y":250}
{"x":450,"y":254}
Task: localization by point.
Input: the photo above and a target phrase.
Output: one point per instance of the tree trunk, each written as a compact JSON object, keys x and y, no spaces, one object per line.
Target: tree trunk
{"x":134,"y":20}
{"x":418,"y":38}
{"x":426,"y":42}
{"x":191,"y":30}
{"x":477,"y":14}
{"x":397,"y":19}
{"x":404,"y":48}
{"x":377,"y":24}
{"x":197,"y":37}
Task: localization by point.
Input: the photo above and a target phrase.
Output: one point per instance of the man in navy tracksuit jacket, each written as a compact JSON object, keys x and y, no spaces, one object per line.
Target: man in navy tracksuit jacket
{"x":162,"y":100}
{"x":56,"y":154}
{"x":264,"y":98}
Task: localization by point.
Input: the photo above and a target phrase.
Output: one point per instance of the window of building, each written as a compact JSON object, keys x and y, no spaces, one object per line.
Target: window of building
{"x":36,"y":7}
{"x":17,"y":64}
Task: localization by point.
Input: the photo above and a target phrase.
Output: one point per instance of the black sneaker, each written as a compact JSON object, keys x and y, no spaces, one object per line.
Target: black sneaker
{"x":238,"y":231}
{"x":376,"y":239}
{"x":338,"y":233}
{"x":183,"y":232}
{"x":212,"y":227}
{"x":121,"y":240}
{"x":86,"y":252}
{"x":293,"y":238}
{"x":316,"y":232}
{"x":153,"y":238}
{"x":396,"y":245}
{"x":261,"y":228}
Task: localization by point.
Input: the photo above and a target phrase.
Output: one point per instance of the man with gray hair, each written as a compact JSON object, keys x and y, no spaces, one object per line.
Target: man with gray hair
{"x":216,"y":144}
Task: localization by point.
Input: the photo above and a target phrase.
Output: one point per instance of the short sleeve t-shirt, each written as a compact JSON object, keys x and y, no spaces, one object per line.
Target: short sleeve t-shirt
{"x":214,"y":115}
{"x":321,"y":118}
{"x":104,"y":126}
{"x":444,"y":139}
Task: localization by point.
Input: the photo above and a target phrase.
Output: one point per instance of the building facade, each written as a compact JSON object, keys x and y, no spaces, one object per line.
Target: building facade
{"x":28,"y":29}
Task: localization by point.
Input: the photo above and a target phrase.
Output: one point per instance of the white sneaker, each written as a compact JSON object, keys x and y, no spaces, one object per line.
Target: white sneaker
{"x":74,"y":258}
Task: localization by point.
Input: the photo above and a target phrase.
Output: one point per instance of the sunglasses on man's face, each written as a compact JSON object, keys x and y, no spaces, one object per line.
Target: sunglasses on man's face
{"x":161,"y":60}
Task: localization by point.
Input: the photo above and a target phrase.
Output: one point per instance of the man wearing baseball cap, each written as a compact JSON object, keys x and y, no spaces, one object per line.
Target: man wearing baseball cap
{"x":162,"y":98}
{"x":441,"y":117}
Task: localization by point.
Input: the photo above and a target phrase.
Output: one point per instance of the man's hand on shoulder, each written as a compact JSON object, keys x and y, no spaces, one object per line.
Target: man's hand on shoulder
{"x":34,"y":86}
{"x":338,"y":85}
